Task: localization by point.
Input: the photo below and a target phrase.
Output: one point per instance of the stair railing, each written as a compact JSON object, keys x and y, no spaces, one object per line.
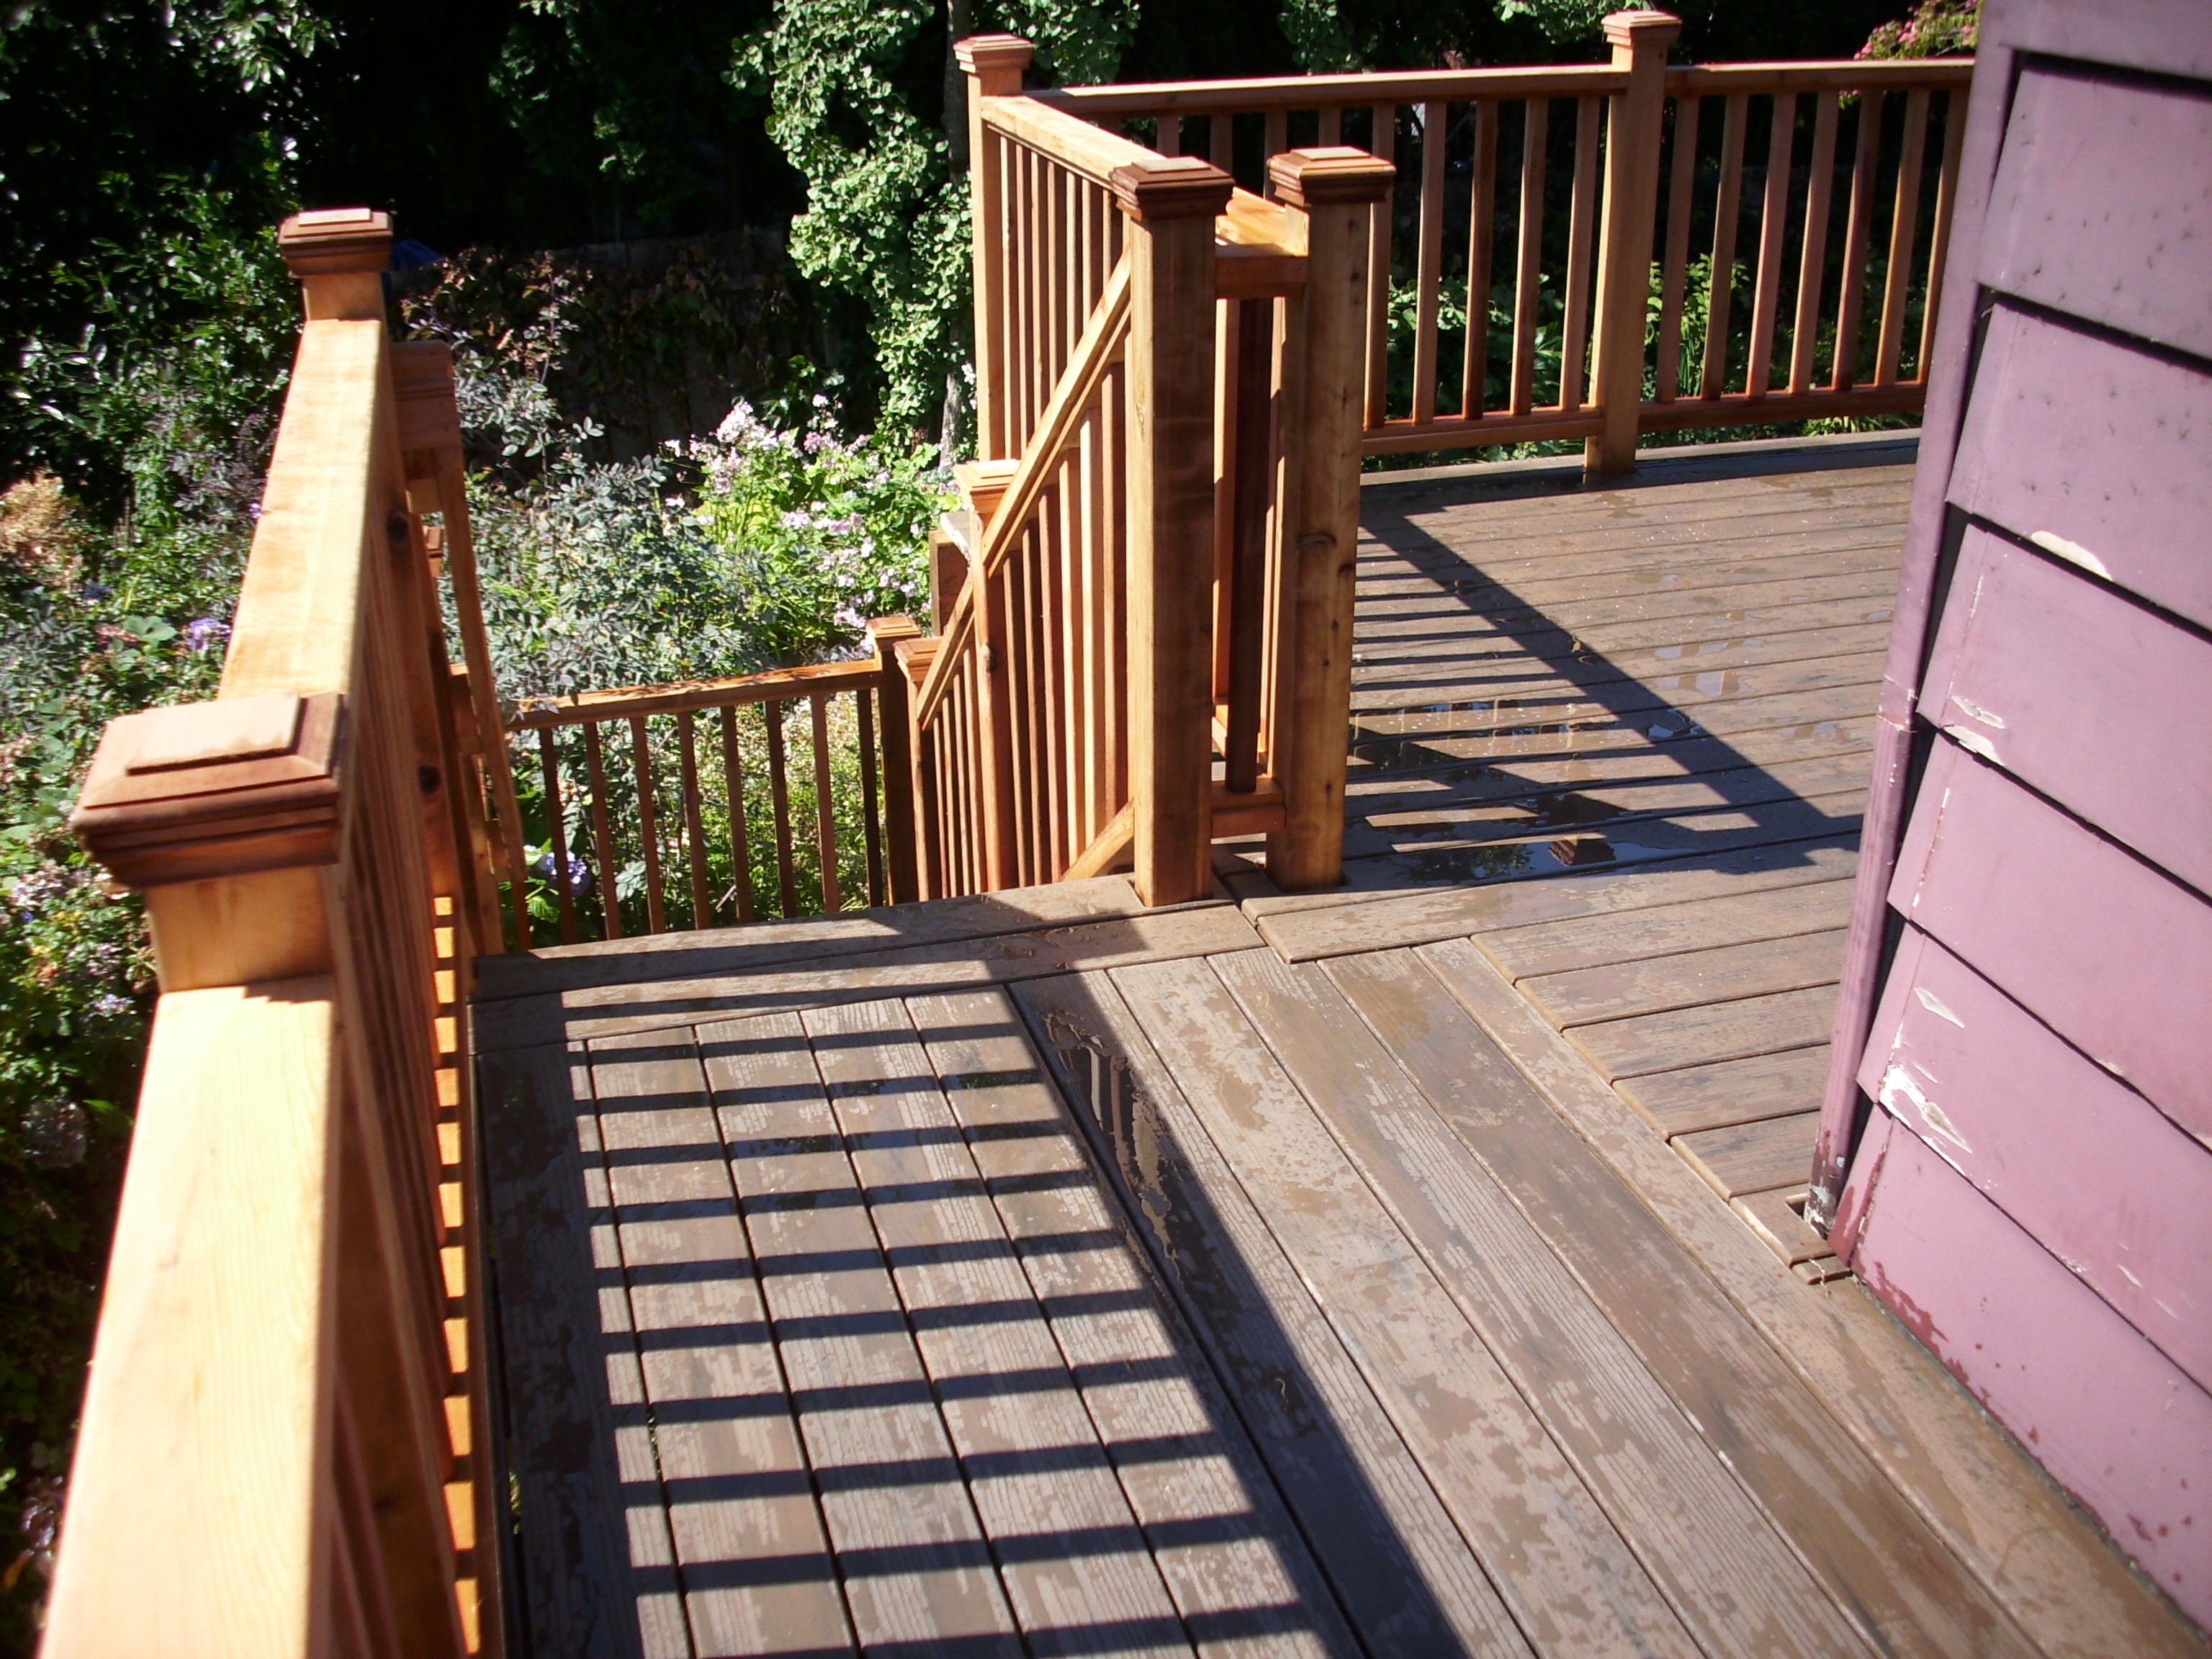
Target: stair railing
{"x":284,"y":1443}
{"x":1155,"y":556}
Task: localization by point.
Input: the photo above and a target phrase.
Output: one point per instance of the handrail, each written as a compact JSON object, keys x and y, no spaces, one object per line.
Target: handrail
{"x":710,"y":833}
{"x":1761,"y":362}
{"x":283,"y":1444}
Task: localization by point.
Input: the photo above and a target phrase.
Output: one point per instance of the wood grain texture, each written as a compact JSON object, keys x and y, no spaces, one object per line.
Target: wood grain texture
{"x":1858,"y":1534}
{"x":1700,"y":1035}
{"x":1391,"y":1551}
{"x":1561,"y":947}
{"x":1558,"y":1561}
{"x":2055,"y":1586}
{"x":231,"y":1186}
{"x":1751,"y":1157}
{"x":1729,"y":1091}
{"x":1734,"y":1583}
{"x":1240,"y":1576}
{"x":579,"y":1590}
{"x":912,"y":1556}
{"x":1722,"y":973}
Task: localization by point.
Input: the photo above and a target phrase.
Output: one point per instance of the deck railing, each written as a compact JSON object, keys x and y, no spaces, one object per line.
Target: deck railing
{"x":1168,"y":487}
{"x":1507,"y":320}
{"x":285,"y":1431}
{"x":703,"y":782}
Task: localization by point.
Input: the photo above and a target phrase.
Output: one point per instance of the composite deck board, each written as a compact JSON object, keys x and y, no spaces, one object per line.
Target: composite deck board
{"x":1409,"y":1267}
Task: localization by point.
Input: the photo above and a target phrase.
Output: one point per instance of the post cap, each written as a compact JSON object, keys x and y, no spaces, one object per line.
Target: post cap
{"x":1171,"y":187}
{"x":334,"y":241}
{"x":980,"y":54}
{"x":1655,"y":29}
{"x":197,"y":791}
{"x":1329,"y":175}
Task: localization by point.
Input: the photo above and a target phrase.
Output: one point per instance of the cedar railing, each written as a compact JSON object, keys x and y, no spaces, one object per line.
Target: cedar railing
{"x":1854,"y":167}
{"x":284,"y":1433}
{"x":698,"y":834}
{"x":1166,"y":501}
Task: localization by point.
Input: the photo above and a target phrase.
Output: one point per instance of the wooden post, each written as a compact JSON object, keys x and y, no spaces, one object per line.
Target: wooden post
{"x":339,"y":255}
{"x":1171,"y":203}
{"x":895,"y":725}
{"x":992,"y":65}
{"x":1640,"y":40}
{"x":1330,"y":194}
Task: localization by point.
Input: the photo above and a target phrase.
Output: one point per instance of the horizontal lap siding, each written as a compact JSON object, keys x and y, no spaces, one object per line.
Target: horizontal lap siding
{"x":2032,"y":1194}
{"x":2114,"y":1421}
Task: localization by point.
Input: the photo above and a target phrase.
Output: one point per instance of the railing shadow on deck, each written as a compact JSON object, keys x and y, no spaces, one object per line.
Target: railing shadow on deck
{"x":1592,"y":835}
{"x":554,"y":1156}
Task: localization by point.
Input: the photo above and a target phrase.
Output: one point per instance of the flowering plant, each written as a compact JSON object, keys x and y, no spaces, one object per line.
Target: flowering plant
{"x":829,"y":530}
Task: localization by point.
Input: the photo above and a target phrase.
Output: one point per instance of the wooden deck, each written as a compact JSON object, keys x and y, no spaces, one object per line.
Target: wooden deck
{"x":1404,"y":1269}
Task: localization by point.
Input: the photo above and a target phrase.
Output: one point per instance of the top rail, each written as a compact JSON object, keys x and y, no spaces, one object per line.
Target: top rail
{"x":1321,"y":91}
{"x":737,"y":692}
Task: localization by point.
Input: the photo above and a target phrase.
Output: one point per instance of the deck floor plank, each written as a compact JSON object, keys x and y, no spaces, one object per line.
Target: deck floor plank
{"x":1572,"y":1582}
{"x":1722,"y":1565}
{"x":1392,"y":1553}
{"x":1563,"y":947}
{"x":1243,"y":1582}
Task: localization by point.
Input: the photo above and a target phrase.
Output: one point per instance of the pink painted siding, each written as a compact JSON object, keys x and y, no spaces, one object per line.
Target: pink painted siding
{"x":2114,"y":1421}
{"x":2096,"y":451}
{"x":2076,"y":1158}
{"x":2112,"y":954}
{"x":2103,"y":207}
{"x":2030,"y":666}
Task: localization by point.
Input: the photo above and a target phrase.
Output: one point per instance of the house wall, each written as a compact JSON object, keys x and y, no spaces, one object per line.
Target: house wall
{"x":2030,"y":1187}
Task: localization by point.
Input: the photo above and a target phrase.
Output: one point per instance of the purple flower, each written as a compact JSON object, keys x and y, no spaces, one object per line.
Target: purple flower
{"x":203,"y":632}
{"x":254,"y":513}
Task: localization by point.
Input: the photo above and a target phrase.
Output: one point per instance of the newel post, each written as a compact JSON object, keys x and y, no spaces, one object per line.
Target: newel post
{"x":1171,"y":203}
{"x":339,"y":255}
{"x":1632,"y":125}
{"x":992,"y":65}
{"x":1330,"y":194}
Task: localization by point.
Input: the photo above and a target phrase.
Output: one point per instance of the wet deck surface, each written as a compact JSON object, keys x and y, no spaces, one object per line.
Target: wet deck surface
{"x":1408,"y":1269}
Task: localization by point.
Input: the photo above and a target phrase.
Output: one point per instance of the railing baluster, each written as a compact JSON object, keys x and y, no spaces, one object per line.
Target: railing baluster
{"x":733,"y":785}
{"x":1947,"y":194}
{"x":558,"y":830}
{"x":1858,"y":232}
{"x":779,"y":795}
{"x":871,"y":833}
{"x":1430,"y":261}
{"x":1481,"y":243}
{"x":1812,"y":256}
{"x":825,"y":805}
{"x":1773,"y":225}
{"x":648,"y":831}
{"x":1332,"y":126}
{"x":1535,"y":130}
{"x":1167,"y":133}
{"x":694,"y":829}
{"x":1221,"y":141}
{"x":603,"y":835}
{"x":1574,"y":336}
{"x":1382,"y":143}
{"x":1897,"y":278}
{"x":1683,"y":172}
{"x":1253,"y":478}
{"x":1721,"y":291}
